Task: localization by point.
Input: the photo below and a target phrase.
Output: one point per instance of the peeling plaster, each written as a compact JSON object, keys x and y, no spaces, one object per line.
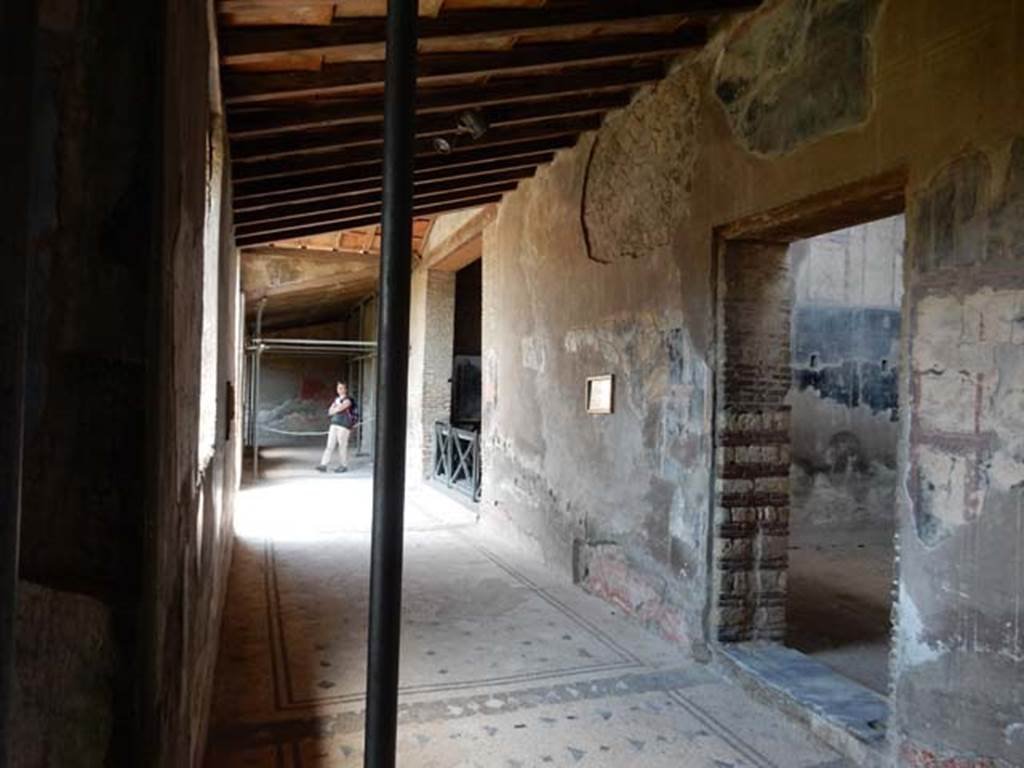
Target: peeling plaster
{"x":912,"y":648}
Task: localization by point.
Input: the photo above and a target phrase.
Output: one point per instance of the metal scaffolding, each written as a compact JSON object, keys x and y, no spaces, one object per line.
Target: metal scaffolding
{"x":260,"y":346}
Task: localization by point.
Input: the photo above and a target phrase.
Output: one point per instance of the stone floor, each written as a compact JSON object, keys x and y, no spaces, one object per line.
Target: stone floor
{"x":839,"y":602}
{"x":502,"y":664}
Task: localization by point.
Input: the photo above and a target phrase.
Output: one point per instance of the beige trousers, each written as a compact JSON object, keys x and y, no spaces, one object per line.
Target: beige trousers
{"x":336,"y":437}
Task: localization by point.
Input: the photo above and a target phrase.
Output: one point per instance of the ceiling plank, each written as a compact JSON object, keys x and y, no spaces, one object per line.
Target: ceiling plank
{"x":365,"y":208}
{"x":355,"y":255}
{"x":468,"y":163}
{"x":363,"y":221}
{"x":525,"y":167}
{"x":286,"y":210}
{"x":367,"y":77}
{"x":298,"y":165}
{"x":315,"y":141}
{"x":247,"y":45}
{"x":248,"y":122}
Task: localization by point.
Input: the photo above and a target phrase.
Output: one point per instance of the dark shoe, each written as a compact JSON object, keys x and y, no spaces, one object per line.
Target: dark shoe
{"x":321,"y":468}
{"x":339,"y":470}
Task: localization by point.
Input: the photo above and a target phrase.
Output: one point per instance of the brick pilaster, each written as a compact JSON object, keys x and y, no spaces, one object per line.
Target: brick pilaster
{"x":752,"y":444}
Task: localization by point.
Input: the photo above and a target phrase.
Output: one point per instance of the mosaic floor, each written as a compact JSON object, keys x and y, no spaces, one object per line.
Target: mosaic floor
{"x":502,"y":665}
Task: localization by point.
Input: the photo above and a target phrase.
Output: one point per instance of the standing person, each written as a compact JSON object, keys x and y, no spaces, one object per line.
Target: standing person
{"x":343,"y":418}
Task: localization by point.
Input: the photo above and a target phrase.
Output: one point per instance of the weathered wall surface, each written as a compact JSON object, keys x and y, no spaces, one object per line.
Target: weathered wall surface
{"x":962,"y":545}
{"x":845,"y":331}
{"x":604,"y":496}
{"x":756,"y":122}
{"x":125,"y":536}
{"x":85,"y":480}
{"x":189,"y":532}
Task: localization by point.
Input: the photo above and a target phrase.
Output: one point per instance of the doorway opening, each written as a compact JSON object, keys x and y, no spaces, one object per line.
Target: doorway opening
{"x":806,"y":433}
{"x":456,"y":459}
{"x":466,"y":346}
{"x":844,"y":418}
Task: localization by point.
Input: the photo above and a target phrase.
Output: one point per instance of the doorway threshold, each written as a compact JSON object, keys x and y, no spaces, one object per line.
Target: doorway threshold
{"x":845,"y":714}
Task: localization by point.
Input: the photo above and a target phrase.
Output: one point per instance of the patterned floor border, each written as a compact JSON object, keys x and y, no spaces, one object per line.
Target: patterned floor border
{"x":285,"y":700}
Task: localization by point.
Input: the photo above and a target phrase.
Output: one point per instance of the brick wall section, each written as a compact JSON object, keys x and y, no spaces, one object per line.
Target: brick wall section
{"x":752,"y":443}
{"x":430,"y":364}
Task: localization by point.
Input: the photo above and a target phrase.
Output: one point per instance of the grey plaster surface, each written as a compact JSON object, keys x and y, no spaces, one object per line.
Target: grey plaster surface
{"x":503,"y":664}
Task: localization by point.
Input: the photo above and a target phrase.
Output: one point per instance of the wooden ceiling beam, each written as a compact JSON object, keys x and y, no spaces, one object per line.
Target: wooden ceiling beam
{"x":243,"y":45}
{"x":367,"y":77}
{"x":444,"y":124}
{"x":336,"y":255}
{"x":286,"y":210}
{"x":366,"y":207}
{"x":246,"y":122}
{"x":359,"y":221}
{"x":298,"y":165}
{"x":496,"y":169}
{"x":463,"y":164}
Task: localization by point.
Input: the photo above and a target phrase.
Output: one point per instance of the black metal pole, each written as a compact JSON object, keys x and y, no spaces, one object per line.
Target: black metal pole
{"x":392,"y":388}
{"x":17,"y":62}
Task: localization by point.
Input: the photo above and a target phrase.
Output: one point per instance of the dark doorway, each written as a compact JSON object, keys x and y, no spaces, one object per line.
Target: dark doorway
{"x":466,"y":379}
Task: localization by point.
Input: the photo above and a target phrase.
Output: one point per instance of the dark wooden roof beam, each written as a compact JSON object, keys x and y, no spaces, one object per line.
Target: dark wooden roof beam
{"x":366,"y":78}
{"x":439,"y":124}
{"x":288,"y":233}
{"x":240,"y":45}
{"x":367,"y":206}
{"x":329,"y":183}
{"x":298,"y":165}
{"x":335,"y":205}
{"x":369,"y":194}
{"x":246,"y":122}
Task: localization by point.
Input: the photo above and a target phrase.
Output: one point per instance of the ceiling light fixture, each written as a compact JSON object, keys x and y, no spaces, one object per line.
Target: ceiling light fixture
{"x":474,"y":123}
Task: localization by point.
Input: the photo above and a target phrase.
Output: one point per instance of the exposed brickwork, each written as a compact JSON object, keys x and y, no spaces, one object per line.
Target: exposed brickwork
{"x":752,"y":444}
{"x":430,"y":364}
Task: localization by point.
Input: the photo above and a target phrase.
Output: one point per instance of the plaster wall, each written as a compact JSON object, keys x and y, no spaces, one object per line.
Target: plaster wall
{"x":126,"y":532}
{"x":604,"y":263}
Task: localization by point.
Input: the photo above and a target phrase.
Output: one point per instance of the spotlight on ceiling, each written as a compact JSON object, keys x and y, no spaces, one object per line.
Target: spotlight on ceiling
{"x":473,"y":123}
{"x":442,"y":145}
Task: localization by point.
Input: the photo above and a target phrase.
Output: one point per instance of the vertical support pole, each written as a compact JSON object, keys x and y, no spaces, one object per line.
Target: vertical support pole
{"x":17,"y":61}
{"x":257,"y":359}
{"x":250,"y":396}
{"x":255,"y":414}
{"x":392,"y":387}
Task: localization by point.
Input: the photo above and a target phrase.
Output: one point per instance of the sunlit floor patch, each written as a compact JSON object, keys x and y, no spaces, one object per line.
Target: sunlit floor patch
{"x":503,"y":662}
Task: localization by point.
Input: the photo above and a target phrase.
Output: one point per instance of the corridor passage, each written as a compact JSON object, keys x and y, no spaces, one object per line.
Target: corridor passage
{"x":502,"y":665}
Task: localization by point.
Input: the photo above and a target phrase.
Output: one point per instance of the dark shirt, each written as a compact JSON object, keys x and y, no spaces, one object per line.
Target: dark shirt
{"x":343,"y":418}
